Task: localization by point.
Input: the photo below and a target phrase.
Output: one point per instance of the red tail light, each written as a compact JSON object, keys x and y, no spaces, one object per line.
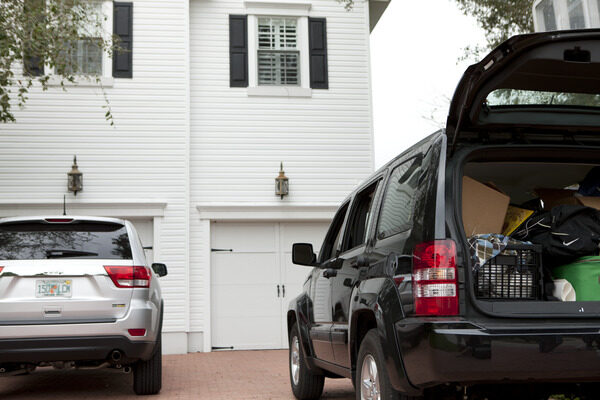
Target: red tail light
{"x":1,"y":268}
{"x":129,"y":277}
{"x":435,"y":278}
{"x":137,"y":332}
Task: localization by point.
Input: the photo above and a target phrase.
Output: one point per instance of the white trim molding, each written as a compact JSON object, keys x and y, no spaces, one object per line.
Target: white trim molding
{"x":280,"y":8}
{"x":267,"y":212}
{"x":279,"y":91}
{"x":100,"y":209}
{"x":82,"y":81}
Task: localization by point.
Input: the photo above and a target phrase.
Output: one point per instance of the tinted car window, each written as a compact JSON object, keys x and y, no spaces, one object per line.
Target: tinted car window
{"x":332,"y":240}
{"x":397,"y":208}
{"x":36,"y":241}
{"x":360,"y":217}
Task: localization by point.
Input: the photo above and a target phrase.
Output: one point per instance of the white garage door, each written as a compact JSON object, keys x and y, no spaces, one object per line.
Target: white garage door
{"x":145,"y":229}
{"x":253,"y":280}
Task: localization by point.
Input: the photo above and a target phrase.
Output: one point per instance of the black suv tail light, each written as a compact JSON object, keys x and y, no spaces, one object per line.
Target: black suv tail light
{"x":435,"y":278}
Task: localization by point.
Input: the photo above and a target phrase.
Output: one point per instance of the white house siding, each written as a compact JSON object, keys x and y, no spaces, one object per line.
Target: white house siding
{"x":237,"y":141}
{"x":139,"y":168}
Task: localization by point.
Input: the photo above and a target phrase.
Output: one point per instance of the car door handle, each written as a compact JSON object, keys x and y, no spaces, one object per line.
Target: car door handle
{"x":330,"y":273}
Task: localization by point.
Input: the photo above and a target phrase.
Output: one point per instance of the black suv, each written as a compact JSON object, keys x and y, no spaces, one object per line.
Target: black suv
{"x":392,"y":301}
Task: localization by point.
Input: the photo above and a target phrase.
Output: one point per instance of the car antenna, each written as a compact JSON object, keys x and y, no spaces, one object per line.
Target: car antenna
{"x":64,"y":204}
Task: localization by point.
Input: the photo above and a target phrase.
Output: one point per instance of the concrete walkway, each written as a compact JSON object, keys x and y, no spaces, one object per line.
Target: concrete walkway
{"x":230,"y":375}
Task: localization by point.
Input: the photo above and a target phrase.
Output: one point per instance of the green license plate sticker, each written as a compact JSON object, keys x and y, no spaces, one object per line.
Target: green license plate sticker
{"x":53,"y":288}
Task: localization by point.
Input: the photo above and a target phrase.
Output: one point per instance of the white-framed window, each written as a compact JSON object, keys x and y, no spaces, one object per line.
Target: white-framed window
{"x":85,"y":56}
{"x":550,"y":15}
{"x":278,"y":55}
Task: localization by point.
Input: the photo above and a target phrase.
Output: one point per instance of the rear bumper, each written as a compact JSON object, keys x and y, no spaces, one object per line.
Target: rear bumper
{"x":435,"y":353}
{"x":34,"y":350}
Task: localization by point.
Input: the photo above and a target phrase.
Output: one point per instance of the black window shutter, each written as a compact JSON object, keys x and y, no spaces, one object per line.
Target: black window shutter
{"x":238,"y":50}
{"x":317,"y":39}
{"x":33,"y":65}
{"x":123,"y":28}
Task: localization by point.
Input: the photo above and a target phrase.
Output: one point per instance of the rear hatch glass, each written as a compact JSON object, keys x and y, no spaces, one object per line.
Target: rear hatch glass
{"x":537,"y":84}
{"x":87,"y":240}
{"x":54,"y":273}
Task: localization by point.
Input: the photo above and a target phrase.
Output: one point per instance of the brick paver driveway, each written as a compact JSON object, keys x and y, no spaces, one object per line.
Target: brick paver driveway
{"x":227,"y":375}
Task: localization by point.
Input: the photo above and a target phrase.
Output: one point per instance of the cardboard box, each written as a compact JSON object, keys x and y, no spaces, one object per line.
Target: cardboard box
{"x":483,"y":208}
{"x":558,"y":197}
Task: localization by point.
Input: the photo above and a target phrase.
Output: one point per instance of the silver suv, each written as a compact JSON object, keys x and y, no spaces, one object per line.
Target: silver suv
{"x":76,"y":292}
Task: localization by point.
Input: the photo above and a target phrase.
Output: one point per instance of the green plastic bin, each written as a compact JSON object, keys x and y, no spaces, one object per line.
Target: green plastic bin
{"x":584,"y":275}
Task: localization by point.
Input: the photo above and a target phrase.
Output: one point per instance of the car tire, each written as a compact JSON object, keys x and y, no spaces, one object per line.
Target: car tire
{"x":306,"y":385}
{"x":147,"y":375}
{"x":372,"y":380}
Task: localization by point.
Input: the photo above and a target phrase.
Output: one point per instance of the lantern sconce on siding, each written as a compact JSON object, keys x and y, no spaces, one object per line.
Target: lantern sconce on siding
{"x":75,"y":178}
{"x":282,"y":186}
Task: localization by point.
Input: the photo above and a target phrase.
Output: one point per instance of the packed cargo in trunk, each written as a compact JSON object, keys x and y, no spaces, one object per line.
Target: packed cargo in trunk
{"x":533,"y":232}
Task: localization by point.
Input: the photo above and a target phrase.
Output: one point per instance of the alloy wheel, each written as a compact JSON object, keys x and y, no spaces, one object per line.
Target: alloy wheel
{"x":369,"y":385}
{"x":295,"y":360}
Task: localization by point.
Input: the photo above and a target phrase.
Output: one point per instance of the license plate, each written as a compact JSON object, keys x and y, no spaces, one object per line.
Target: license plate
{"x":53,"y":288}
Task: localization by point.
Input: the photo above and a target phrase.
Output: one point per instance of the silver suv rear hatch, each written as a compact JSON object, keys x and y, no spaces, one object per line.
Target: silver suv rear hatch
{"x":53,"y":271}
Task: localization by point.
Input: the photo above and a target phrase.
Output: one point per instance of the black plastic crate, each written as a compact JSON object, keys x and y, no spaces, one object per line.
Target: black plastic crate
{"x":514,"y":274}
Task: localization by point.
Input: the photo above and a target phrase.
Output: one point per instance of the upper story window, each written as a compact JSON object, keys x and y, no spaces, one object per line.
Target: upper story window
{"x":278,"y":49}
{"x":86,"y":55}
{"x":551,"y":15}
{"x":278,"y":56}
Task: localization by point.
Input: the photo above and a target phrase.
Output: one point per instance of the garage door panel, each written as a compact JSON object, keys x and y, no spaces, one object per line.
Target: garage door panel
{"x":244,"y":333}
{"x":145,"y":230}
{"x":246,"y":311}
{"x":247,"y":268}
{"x":302,"y":232}
{"x":244,"y":301}
{"x":245,"y":237}
{"x":295,"y":276}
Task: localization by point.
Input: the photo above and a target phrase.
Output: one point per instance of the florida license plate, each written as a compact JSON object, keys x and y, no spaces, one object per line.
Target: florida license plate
{"x":53,"y":288}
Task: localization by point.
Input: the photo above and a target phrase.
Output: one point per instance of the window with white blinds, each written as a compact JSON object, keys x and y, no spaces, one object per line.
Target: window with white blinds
{"x":278,"y":52}
{"x":84,"y":57}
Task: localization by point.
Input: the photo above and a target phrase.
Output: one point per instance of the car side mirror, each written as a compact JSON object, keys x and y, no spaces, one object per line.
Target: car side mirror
{"x":159,"y":269}
{"x":303,"y":254}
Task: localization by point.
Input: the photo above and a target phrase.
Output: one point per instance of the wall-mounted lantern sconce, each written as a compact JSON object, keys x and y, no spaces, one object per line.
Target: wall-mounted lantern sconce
{"x":282,"y":186}
{"x":75,"y":178}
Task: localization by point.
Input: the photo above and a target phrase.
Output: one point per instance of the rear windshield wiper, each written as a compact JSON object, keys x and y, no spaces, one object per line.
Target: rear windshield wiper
{"x":58,"y":253}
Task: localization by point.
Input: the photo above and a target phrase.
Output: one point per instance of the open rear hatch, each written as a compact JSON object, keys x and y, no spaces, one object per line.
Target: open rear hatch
{"x":539,"y":93}
{"x":542,"y":87}
{"x":56,"y":271}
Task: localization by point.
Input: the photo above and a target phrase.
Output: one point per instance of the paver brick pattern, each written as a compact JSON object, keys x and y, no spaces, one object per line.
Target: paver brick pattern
{"x":230,"y":375}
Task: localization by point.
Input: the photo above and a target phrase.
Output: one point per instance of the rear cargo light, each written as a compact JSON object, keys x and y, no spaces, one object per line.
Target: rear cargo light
{"x":1,"y":268}
{"x":129,"y":277}
{"x":137,"y":332}
{"x":435,"y":283}
{"x":59,"y":220}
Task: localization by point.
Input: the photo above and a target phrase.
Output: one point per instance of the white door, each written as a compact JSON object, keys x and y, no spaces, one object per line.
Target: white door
{"x":145,"y":230}
{"x":253,"y":280}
